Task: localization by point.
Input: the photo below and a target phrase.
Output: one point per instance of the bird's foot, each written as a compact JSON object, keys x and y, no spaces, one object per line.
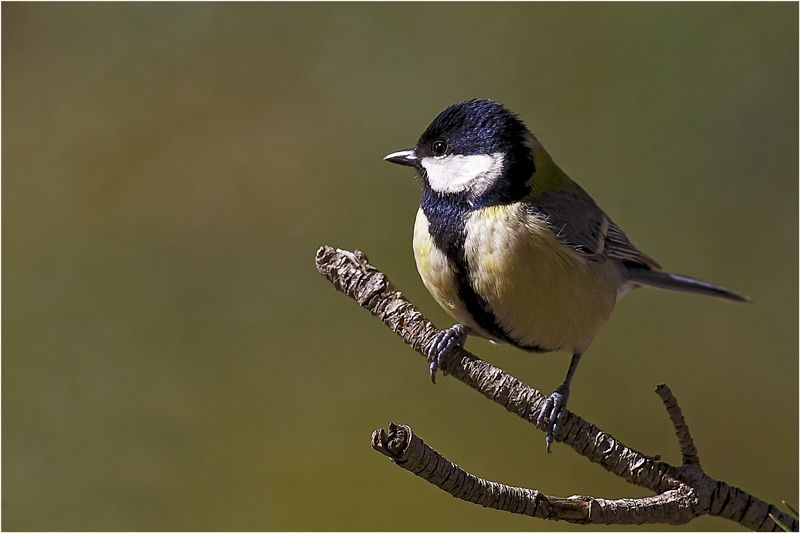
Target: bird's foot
{"x":443,"y":345}
{"x":553,"y":412}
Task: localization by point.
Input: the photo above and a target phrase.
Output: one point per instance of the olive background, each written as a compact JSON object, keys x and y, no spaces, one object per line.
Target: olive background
{"x":171,"y":358}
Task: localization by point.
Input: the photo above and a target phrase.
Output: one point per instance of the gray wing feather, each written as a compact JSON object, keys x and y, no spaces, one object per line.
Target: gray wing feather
{"x":579,"y":223}
{"x":620,"y":247}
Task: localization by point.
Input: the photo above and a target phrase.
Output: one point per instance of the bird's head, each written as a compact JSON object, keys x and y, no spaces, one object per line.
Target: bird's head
{"x":476,"y":149}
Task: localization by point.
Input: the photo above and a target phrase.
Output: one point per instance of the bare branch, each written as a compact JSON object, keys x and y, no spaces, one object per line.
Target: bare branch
{"x":410,"y":452}
{"x":351,"y":273}
{"x":688,"y":450}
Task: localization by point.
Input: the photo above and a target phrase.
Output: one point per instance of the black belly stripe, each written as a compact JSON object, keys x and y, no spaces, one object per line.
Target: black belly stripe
{"x":447,"y":228}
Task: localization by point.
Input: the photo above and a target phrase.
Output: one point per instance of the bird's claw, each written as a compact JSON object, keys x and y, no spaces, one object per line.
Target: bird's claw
{"x":553,"y":413}
{"x":443,"y":345}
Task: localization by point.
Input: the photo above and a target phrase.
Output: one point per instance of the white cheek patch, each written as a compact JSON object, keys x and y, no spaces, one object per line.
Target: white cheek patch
{"x":457,"y":173}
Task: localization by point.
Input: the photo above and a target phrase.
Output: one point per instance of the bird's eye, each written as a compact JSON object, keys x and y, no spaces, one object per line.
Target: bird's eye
{"x":439,"y":148}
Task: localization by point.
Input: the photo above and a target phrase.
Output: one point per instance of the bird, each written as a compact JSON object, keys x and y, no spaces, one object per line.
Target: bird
{"x":513,"y":249}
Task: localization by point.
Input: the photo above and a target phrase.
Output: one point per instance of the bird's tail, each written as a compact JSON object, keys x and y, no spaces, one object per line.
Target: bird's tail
{"x":679,"y":282}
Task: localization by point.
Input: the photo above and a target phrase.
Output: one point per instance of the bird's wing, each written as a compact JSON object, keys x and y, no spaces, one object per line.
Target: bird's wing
{"x":579,"y":223}
{"x":621,"y":248}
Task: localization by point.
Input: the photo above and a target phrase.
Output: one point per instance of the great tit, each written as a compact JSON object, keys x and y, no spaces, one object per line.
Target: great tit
{"x":513,"y":249}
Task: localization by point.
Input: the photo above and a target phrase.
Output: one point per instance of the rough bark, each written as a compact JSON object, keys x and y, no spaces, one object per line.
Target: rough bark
{"x":682,"y":492}
{"x":408,"y":451}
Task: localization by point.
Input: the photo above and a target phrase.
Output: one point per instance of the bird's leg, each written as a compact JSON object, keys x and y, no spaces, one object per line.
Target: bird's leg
{"x":556,"y":403}
{"x":444,"y":344}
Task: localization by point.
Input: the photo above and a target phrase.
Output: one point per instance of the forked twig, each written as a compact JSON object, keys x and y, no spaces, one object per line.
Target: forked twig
{"x":682,"y":493}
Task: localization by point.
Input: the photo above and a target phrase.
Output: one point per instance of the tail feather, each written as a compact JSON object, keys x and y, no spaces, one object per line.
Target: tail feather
{"x":679,"y":282}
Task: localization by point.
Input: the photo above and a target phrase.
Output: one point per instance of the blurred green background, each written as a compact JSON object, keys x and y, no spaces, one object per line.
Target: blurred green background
{"x":171,"y":358}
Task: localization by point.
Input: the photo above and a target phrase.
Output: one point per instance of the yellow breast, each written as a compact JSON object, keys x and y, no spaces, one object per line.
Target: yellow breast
{"x":541,"y":292}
